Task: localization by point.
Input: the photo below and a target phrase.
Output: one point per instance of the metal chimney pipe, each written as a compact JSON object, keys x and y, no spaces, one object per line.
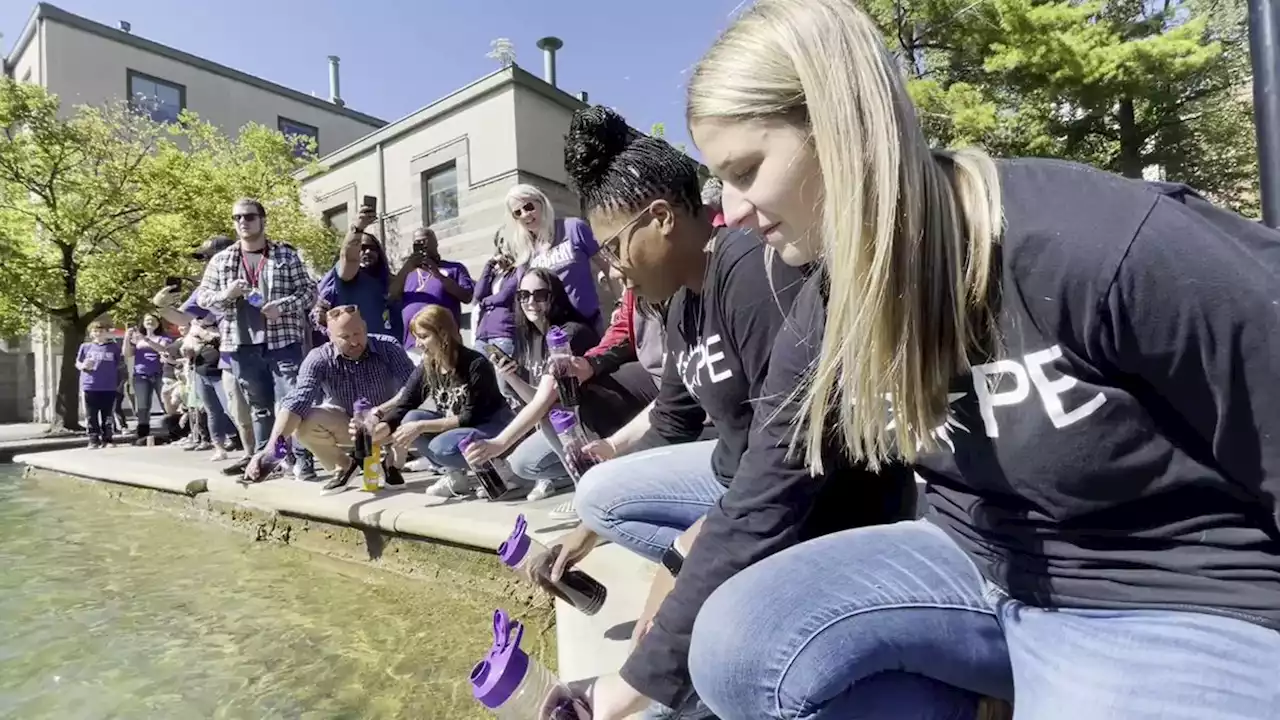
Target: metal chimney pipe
{"x":549,"y":45}
{"x":335,"y":89}
{"x":583,"y":97}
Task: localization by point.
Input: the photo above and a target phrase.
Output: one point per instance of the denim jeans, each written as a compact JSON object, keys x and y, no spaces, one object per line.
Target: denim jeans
{"x":895,"y":621}
{"x":645,"y":500}
{"x":537,"y":457}
{"x":145,"y":387}
{"x":213,"y":396}
{"x":98,"y":406}
{"x":442,"y":448}
{"x":258,"y":370}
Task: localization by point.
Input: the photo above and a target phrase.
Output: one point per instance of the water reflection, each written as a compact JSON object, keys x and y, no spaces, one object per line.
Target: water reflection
{"x":110,"y":611}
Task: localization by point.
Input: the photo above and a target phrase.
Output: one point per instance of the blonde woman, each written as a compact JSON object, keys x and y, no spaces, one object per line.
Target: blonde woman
{"x":1083,"y":368}
{"x":536,"y":238}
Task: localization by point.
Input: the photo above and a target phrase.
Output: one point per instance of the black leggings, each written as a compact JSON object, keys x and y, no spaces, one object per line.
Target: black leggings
{"x":98,"y":407}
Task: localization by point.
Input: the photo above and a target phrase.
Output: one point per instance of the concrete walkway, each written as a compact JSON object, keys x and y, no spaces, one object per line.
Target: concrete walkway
{"x":588,"y":646}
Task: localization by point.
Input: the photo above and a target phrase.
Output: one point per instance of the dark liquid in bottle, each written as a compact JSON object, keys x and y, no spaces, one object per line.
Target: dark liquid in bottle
{"x":567,"y":385}
{"x":577,"y":588}
{"x":363,"y":447}
{"x":579,"y":462}
{"x":491,"y":481}
{"x":564,"y":708}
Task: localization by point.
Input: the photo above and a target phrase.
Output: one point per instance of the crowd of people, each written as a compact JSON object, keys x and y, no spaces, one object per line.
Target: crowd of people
{"x":1094,"y":419}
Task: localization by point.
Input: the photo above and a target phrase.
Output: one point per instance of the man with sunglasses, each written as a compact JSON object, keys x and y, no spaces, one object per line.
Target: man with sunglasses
{"x":263,"y":291}
{"x":427,"y":279}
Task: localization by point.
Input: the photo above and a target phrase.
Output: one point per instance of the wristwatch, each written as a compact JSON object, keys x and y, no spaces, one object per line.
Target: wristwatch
{"x":673,"y":560}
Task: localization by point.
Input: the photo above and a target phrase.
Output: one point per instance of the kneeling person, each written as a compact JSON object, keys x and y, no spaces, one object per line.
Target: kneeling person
{"x":351,"y":366}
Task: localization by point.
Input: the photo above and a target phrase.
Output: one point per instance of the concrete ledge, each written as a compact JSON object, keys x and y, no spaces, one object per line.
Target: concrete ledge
{"x":120,"y":466}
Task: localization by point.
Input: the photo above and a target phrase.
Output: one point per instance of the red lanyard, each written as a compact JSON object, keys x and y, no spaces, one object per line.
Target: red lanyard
{"x":253,"y":275}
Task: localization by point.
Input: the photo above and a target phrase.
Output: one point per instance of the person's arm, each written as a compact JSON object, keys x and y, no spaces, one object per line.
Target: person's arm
{"x":481,"y":379}
{"x":395,"y":290}
{"x":506,"y":293}
{"x":213,"y":293}
{"x":627,"y":436}
{"x":615,"y":349}
{"x":307,"y":392}
{"x":537,"y":406}
{"x":461,"y":289}
{"x":484,"y":287}
{"x":675,"y":417}
{"x":80,"y":358}
{"x":411,"y":397}
{"x":348,"y":264}
{"x":1192,"y":314}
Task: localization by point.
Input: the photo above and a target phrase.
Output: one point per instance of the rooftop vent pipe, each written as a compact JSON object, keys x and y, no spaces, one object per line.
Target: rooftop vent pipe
{"x":549,"y":45}
{"x":335,"y":90}
{"x":125,"y":26}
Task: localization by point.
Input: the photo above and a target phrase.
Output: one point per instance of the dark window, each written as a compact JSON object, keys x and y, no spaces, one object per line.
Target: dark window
{"x":336,"y":218}
{"x":299,"y":132}
{"x":160,"y":99}
{"x":440,"y":194}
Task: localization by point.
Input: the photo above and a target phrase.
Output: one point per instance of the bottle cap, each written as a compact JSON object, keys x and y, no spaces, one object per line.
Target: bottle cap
{"x":362,"y":405}
{"x":562,"y":420}
{"x":281,"y":449}
{"x":513,"y":550}
{"x":556,"y":336}
{"x":467,"y":442}
{"x":495,"y":678}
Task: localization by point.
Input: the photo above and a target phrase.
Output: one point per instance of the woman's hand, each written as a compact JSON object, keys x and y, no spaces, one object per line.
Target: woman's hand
{"x":506,"y":368}
{"x":381,"y":433}
{"x":601,"y":449}
{"x":580,"y":368}
{"x":167,"y":297}
{"x":571,"y":550}
{"x":482,"y":451}
{"x":408,"y":432}
{"x":662,"y":585}
{"x":611,"y":698}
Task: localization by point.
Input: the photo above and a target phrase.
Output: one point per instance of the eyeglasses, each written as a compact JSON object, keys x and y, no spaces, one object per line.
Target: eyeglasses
{"x":611,"y":248}
{"x":540,"y":295}
{"x":247,"y":217}
{"x":341,"y":310}
{"x":368,"y":248}
{"x":523,"y":210}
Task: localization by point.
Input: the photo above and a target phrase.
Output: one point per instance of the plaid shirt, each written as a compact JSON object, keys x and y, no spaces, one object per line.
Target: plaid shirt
{"x":376,"y":377}
{"x":286,"y":283}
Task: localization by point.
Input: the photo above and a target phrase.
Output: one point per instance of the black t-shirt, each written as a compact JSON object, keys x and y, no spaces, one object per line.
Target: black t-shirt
{"x":470,"y":391}
{"x":718,"y":344}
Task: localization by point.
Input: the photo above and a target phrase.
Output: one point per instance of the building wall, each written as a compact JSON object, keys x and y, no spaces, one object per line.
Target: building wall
{"x":26,"y":67}
{"x":85,"y":68}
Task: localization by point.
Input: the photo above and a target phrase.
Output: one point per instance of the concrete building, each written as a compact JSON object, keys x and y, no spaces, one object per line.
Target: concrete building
{"x":449,"y":165}
{"x":87,"y":63}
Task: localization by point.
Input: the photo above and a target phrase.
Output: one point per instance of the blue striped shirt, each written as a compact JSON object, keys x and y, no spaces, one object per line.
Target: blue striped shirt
{"x":377,"y":376}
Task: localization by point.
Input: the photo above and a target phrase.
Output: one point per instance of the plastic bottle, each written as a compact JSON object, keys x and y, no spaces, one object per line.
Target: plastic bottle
{"x":559,"y":354}
{"x":273,"y":459}
{"x":531,"y":558}
{"x":517,"y":687}
{"x":370,"y":455}
{"x":573,"y":442}
{"x":488,"y":475}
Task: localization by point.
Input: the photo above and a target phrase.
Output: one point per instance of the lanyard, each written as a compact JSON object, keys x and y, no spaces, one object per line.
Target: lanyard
{"x":253,"y":275}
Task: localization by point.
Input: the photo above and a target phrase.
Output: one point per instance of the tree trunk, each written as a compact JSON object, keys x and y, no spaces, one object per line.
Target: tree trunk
{"x":66,"y":406}
{"x":1131,"y":141}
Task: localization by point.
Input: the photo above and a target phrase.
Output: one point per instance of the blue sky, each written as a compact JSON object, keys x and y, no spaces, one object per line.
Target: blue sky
{"x":400,"y":56}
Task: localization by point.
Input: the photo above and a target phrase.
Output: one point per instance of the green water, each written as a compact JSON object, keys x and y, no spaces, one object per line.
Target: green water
{"x":108,"y":610}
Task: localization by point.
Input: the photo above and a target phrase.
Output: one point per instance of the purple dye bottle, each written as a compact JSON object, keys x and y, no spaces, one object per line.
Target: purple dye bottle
{"x":559,"y":354}
{"x":531,"y":558}
{"x":517,"y":687}
{"x":488,"y":475}
{"x":573,"y":442}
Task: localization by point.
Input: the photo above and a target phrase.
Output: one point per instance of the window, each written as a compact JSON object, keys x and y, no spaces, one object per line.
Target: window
{"x":26,"y":76}
{"x":160,"y":99}
{"x":299,"y":132}
{"x":440,"y":194}
{"x":336,"y":218}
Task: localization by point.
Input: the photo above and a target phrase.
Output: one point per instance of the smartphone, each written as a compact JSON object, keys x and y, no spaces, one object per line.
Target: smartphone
{"x":371,"y":202}
{"x":173,"y":281}
{"x":496,"y":355}
{"x":420,"y":248}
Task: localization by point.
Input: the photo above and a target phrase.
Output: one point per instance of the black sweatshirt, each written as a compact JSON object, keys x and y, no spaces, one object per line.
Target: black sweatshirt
{"x":1123,"y":451}
{"x":718,"y":345}
{"x":470,"y":392}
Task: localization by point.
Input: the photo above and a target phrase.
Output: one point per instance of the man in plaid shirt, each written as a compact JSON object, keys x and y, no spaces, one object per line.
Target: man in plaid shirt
{"x":263,"y":293}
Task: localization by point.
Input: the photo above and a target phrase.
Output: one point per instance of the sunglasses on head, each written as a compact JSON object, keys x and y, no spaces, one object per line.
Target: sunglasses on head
{"x":341,"y":310}
{"x":523,"y":210}
{"x":539,"y":295}
{"x":247,"y":217}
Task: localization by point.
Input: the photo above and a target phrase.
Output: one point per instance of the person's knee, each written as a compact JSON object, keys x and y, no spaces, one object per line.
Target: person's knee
{"x":725,"y":661}
{"x":443,"y":451}
{"x":596,"y":496}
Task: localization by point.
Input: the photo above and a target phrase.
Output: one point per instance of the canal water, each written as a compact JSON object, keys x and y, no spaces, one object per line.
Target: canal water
{"x":108,"y":610}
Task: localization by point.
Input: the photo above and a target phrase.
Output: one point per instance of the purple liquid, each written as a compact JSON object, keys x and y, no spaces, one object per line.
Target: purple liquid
{"x":564,"y":708}
{"x":579,"y":462}
{"x":491,"y":481}
{"x":583,"y":592}
{"x":568,"y":386}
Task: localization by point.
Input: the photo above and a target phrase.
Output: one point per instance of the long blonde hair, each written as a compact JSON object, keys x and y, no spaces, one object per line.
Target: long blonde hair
{"x":908,"y":234}
{"x":521,"y":243}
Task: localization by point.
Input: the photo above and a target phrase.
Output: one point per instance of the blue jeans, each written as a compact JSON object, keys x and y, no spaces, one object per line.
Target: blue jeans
{"x":442,"y":449}
{"x":895,"y":621}
{"x":258,"y":370}
{"x":537,"y":457}
{"x":213,"y":396}
{"x":645,"y":500}
{"x":145,"y":387}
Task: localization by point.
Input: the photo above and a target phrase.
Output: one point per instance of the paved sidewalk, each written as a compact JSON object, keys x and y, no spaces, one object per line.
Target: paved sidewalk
{"x":588,"y":646}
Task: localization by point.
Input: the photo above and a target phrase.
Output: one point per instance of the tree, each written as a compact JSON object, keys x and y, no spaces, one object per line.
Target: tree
{"x":97,"y":207}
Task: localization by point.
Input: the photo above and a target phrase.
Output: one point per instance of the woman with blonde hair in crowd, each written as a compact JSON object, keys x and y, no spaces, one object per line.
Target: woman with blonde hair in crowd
{"x":1083,"y":369}
{"x":461,"y":388}
{"x":536,"y":238}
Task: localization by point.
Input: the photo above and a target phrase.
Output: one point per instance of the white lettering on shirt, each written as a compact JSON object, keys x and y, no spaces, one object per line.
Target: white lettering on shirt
{"x":706,"y":355}
{"x":1027,"y":374}
{"x":556,"y":258}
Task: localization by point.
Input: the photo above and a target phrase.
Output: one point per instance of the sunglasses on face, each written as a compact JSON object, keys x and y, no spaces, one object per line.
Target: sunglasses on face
{"x":247,"y":217}
{"x":369,"y":248}
{"x":540,"y":295}
{"x":523,"y":210}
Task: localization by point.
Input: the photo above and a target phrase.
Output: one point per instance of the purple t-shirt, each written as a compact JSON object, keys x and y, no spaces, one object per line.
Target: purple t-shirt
{"x":103,"y":376}
{"x":422,"y":288}
{"x":570,"y":259}
{"x":146,"y":361}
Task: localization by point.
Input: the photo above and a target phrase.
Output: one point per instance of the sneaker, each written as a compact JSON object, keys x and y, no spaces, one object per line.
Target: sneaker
{"x":421,"y":465}
{"x":565,"y":511}
{"x":204,"y":446}
{"x":454,"y":484}
{"x":392,"y":474}
{"x":219,"y":454}
{"x":190,"y":445}
{"x":542,"y":489}
{"x":236,"y":468}
{"x":94,"y":444}
{"x":304,"y":472}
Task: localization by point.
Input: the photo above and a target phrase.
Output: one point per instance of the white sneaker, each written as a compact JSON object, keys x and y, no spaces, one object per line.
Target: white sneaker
{"x":420,"y":465}
{"x":565,"y":511}
{"x":454,"y":484}
{"x":219,"y":454}
{"x":542,"y":489}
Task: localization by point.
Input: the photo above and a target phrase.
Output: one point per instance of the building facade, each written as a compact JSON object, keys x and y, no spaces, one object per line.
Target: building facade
{"x":87,"y":63}
{"x":449,"y":165}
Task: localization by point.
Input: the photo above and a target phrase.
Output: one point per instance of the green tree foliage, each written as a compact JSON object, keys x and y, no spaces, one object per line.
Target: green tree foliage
{"x":1121,"y":84}
{"x":99,"y":205}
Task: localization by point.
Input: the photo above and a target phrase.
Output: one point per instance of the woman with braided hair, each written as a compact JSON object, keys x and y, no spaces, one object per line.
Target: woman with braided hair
{"x":643,"y":198}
